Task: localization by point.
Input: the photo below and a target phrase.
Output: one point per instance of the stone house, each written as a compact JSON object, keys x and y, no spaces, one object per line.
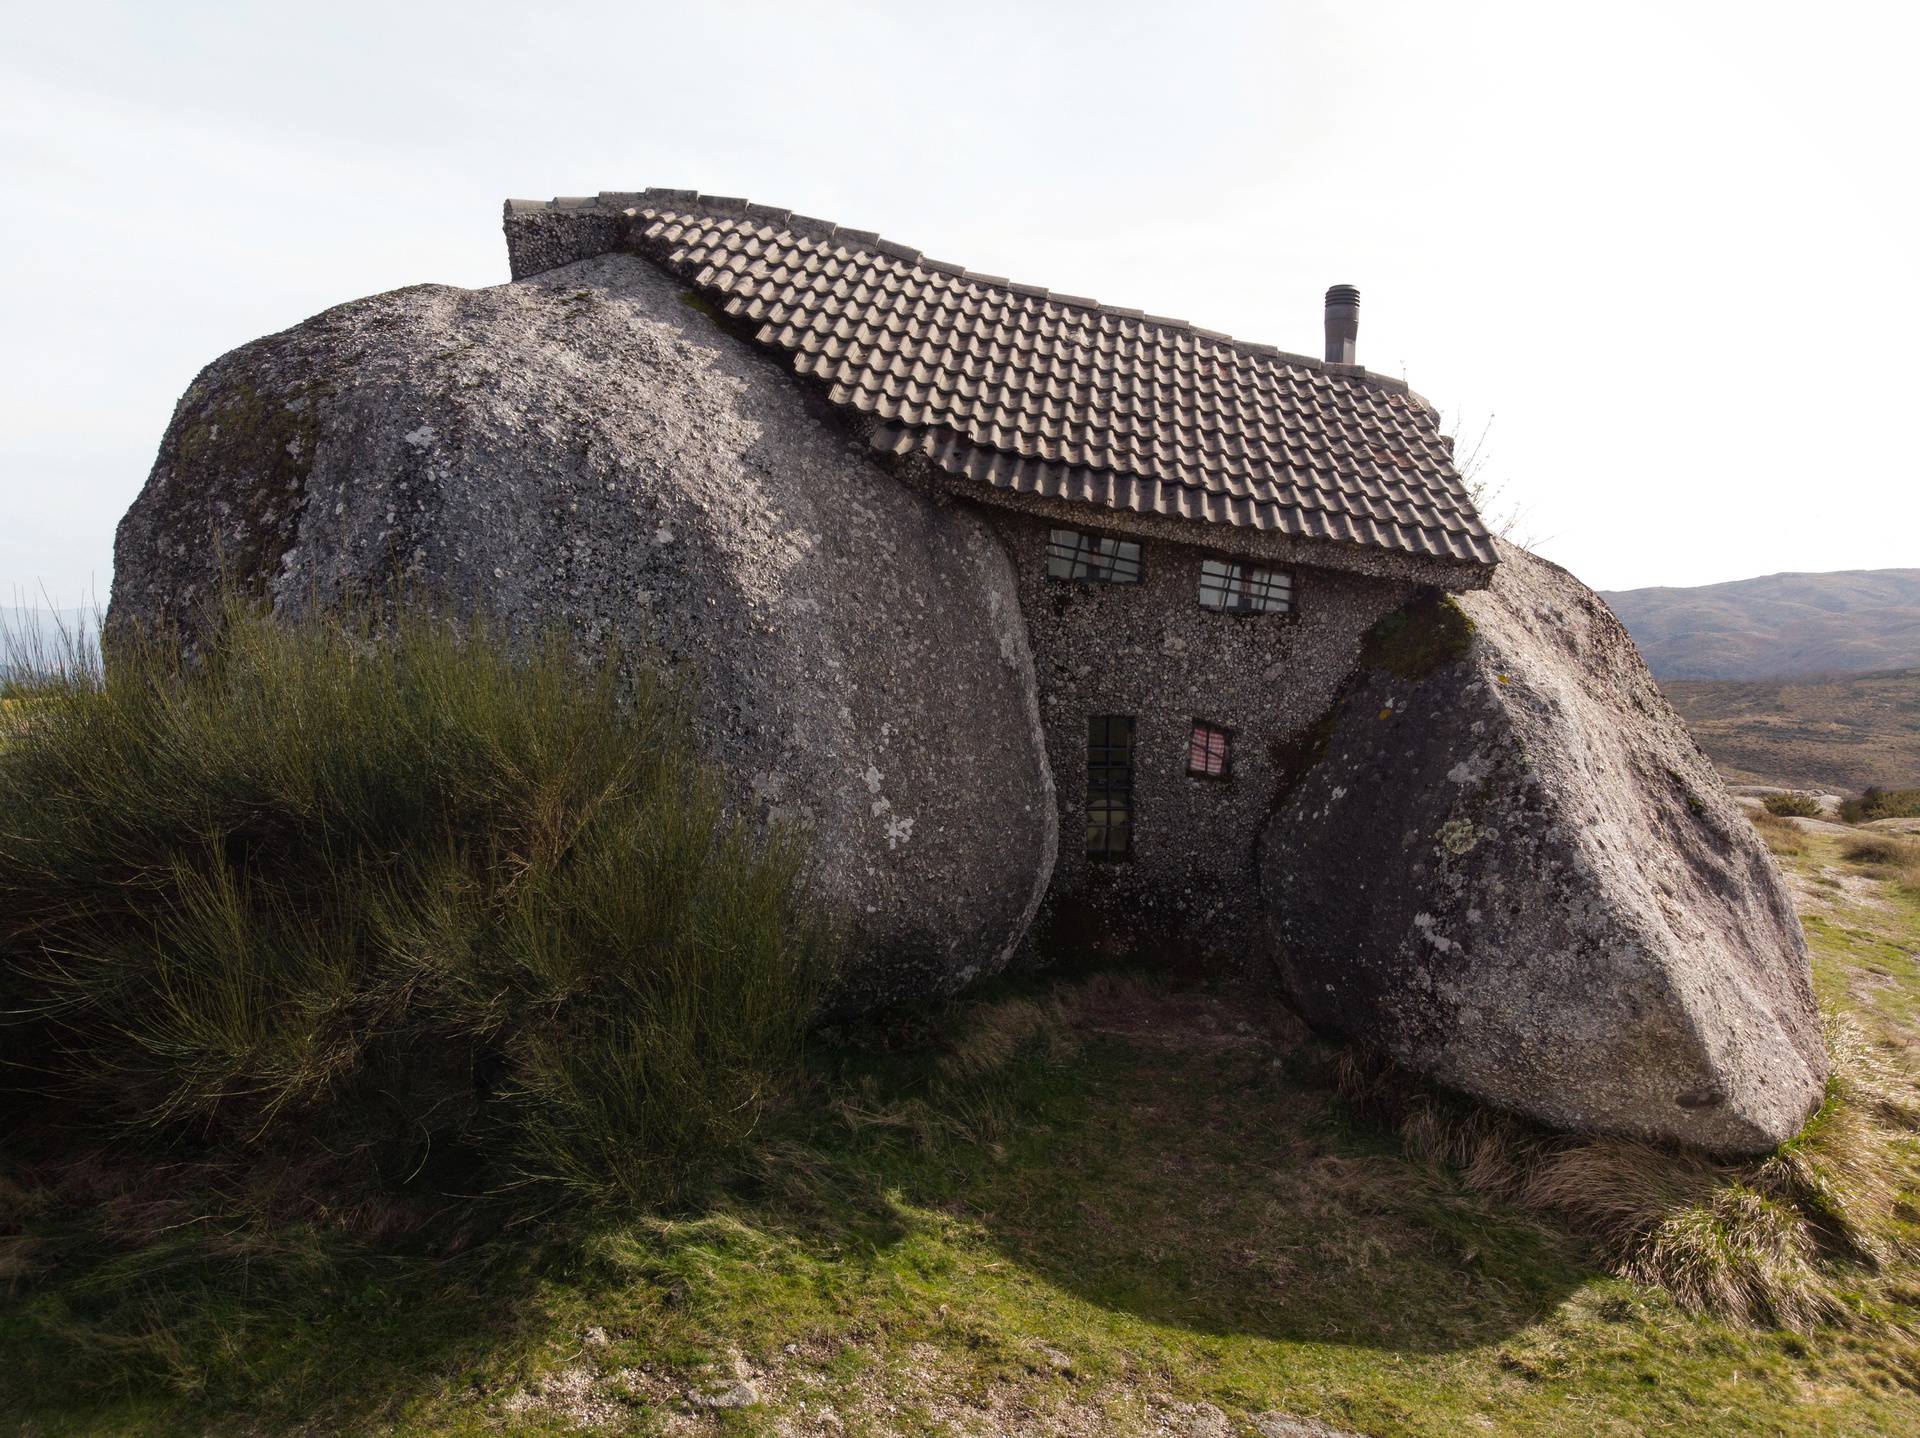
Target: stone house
{"x":1203,"y":529}
{"x":1034,"y":613}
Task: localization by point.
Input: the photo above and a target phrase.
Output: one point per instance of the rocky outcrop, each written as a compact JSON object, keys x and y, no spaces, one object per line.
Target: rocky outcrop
{"x":587,"y":447}
{"x":1507,"y":864}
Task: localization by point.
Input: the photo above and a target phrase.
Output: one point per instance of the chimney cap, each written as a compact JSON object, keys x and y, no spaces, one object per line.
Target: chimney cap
{"x":1343,"y":323}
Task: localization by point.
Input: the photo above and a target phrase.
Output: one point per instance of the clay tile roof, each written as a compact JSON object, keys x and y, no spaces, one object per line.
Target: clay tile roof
{"x":1013,"y":387}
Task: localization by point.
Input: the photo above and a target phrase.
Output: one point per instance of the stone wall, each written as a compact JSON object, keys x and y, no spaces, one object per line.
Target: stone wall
{"x":1151,"y":651}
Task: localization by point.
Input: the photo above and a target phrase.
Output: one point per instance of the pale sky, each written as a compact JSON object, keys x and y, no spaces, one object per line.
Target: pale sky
{"x":1670,"y":248}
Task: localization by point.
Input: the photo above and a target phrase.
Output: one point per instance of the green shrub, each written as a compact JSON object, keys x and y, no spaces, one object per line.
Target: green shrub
{"x":1876,"y":803}
{"x":447,"y":911}
{"x":1792,"y":804}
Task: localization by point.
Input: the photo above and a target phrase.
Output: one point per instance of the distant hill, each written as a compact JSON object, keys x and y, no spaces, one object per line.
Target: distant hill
{"x":1780,"y":626}
{"x":1838,"y":734}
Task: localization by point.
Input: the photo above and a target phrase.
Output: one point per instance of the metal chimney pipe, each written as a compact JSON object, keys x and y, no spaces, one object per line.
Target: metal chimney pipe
{"x":1343,"y":323}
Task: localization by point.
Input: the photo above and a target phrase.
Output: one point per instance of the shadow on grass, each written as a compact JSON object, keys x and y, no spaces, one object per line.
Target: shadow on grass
{"x":1133,"y":1148}
{"x":1181,"y":1168}
{"x":102,"y":1333}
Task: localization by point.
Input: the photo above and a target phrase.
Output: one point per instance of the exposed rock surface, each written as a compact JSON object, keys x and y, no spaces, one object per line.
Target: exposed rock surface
{"x":1511,"y":867}
{"x":1285,"y":1425}
{"x":587,"y":447}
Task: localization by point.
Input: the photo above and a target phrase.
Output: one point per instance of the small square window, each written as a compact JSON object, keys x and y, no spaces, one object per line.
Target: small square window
{"x":1208,"y":750}
{"x":1095,"y":558}
{"x":1236,"y":588}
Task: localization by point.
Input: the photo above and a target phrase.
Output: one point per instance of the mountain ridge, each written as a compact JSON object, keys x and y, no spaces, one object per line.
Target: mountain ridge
{"x":1795,"y":624}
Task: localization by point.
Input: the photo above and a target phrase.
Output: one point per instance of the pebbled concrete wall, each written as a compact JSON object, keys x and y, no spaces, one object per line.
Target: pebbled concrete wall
{"x":1150,"y":650}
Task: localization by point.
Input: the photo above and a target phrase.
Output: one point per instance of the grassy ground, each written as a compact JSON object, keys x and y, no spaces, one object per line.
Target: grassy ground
{"x":1099,"y":1204}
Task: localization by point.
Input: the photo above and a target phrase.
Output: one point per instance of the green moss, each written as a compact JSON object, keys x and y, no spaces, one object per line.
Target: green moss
{"x":1128,"y":1212}
{"x":1695,"y":804}
{"x":1427,"y":633}
{"x":694,"y":300}
{"x":251,"y":449}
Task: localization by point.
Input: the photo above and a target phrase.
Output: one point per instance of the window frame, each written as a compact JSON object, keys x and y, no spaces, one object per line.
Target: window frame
{"x":1111,"y":786}
{"x":1284,"y":616}
{"x":1137,"y":560}
{"x":1227,"y":737}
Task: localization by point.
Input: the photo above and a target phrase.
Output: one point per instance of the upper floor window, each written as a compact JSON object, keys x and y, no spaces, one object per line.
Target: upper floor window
{"x":1239,"y":588}
{"x":1099,"y":558}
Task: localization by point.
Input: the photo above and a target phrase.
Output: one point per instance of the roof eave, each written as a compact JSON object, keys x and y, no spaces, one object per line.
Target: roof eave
{"x":1456,"y":576}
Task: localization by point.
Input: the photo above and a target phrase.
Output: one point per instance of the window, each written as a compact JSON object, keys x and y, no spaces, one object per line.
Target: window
{"x":1207,"y":754}
{"x":1237,"y":588}
{"x":1096,"y":557}
{"x":1109,"y":786}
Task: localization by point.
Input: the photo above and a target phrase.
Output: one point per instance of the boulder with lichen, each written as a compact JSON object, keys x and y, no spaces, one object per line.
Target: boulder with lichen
{"x":1507,"y":865}
{"x":586,"y":448}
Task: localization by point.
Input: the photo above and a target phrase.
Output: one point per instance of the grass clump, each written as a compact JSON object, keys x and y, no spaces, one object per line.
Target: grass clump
{"x":399,"y":902}
{"x":1778,"y":1241}
{"x":1880,"y":851}
{"x":1782,"y":835}
{"x":1792,"y":804}
{"x":1897,"y":859}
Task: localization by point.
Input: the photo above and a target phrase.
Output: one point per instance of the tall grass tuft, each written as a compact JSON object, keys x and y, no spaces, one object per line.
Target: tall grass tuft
{"x":1779,"y":833}
{"x":460,"y":914}
{"x":1775,"y":1241}
{"x":1880,"y":850}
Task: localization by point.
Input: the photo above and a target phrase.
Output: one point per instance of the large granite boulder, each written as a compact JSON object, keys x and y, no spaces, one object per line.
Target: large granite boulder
{"x":1507,"y":864}
{"x":588,"y":447}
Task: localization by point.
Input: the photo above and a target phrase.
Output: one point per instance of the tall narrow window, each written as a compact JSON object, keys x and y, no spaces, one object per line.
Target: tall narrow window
{"x":1236,"y":588}
{"x":1109,"y":786}
{"x":1207,"y":751}
{"x":1099,"y":558}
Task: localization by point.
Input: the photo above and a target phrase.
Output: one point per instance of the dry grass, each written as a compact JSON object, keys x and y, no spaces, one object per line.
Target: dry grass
{"x":1881,"y":850}
{"x":1896,"y":859}
{"x":1839,"y":735}
{"x":995,"y":1034}
{"x":1776,"y":1241}
{"x":1782,"y":835}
